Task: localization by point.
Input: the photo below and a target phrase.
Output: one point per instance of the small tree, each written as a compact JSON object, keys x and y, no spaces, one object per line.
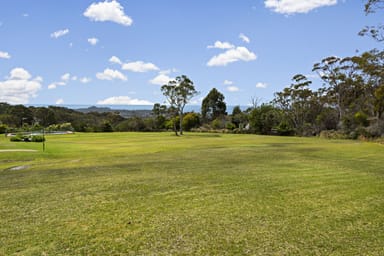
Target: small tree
{"x":265,"y":118}
{"x":238,"y":118}
{"x":159,"y":112}
{"x":191,"y":120}
{"x":213,"y":105}
{"x":178,"y":93}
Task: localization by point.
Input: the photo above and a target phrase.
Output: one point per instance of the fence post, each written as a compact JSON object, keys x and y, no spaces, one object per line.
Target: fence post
{"x":43,"y":140}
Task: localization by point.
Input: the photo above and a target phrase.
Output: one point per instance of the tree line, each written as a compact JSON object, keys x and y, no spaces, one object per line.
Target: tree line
{"x":349,"y":103}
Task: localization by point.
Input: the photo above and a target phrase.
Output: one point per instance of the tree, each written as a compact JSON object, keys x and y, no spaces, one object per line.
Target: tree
{"x":340,"y":76}
{"x":264,"y":118}
{"x":44,"y":116}
{"x":299,"y":104}
{"x":379,"y":101}
{"x":21,"y":116}
{"x":213,"y":105}
{"x":371,"y":66}
{"x":376,"y":32}
{"x":191,"y":120}
{"x":178,"y":93}
{"x":238,"y":118}
{"x":159,"y":112}
{"x":372,"y":5}
{"x":106,"y":127}
{"x":255,"y":102}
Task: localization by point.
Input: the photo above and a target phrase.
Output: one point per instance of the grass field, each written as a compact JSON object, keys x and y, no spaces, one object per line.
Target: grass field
{"x":201,"y":194}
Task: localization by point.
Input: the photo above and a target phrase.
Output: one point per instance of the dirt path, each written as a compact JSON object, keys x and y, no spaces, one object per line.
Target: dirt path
{"x":18,"y":150}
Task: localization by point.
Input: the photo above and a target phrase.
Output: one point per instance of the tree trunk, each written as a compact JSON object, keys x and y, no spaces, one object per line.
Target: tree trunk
{"x":181,"y":123}
{"x":174,"y":127}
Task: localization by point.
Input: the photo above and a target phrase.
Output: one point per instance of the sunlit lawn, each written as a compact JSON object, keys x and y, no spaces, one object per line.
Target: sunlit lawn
{"x":201,"y":194}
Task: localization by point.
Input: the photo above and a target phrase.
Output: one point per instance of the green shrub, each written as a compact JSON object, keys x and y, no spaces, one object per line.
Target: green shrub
{"x":377,"y":129}
{"x":218,"y":123}
{"x":17,"y":138}
{"x":230,"y":126}
{"x":332,"y":134}
{"x":27,"y":138}
{"x":284,"y":129}
{"x":38,"y":138}
{"x":3,"y":128}
{"x":361,"y":118}
{"x":190,"y":120}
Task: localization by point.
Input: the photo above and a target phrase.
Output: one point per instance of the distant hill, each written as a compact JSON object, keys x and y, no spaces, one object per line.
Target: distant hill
{"x":122,"y":112}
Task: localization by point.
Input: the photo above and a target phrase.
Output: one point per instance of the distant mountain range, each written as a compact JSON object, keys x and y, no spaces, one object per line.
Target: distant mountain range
{"x":123,"y":112}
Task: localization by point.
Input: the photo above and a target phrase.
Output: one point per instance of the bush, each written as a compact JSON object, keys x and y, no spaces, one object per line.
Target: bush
{"x":27,"y":138}
{"x":361,"y":134}
{"x":284,"y":129}
{"x":106,"y":127}
{"x":361,"y":118}
{"x":332,"y":134}
{"x":218,"y":124}
{"x":17,"y":138}
{"x":60,"y":127}
{"x":230,"y":126}
{"x":191,"y":120}
{"x":37,"y":138}
{"x":376,"y":129}
{"x":3,"y":128}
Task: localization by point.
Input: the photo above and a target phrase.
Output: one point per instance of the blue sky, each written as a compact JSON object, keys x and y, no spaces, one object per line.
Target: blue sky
{"x":121,"y":51}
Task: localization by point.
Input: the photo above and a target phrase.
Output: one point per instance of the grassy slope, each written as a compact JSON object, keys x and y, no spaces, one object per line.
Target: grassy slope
{"x":201,"y":194}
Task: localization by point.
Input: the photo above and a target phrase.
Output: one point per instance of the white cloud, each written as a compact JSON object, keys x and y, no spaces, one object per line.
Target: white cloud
{"x":93,"y":41}
{"x":59,"y":33}
{"x":59,"y":101}
{"x":19,"y":74}
{"x":232,"y":55}
{"x":168,"y":71}
{"x":123,"y":100}
{"x":85,"y":80}
{"x":244,"y":38}
{"x":66,"y":77}
{"x":261,"y":85}
{"x":19,"y":87}
{"x":64,"y":80}
{"x":233,"y":88}
{"x":140,"y":66}
{"x":161,"y":79}
{"x":115,"y":60}
{"x":38,"y":79}
{"x":4,"y":55}
{"x":52,"y":86}
{"x":221,"y":45}
{"x":108,"y":11}
{"x":110,"y":74}
{"x":227,"y":82}
{"x":296,"y":6}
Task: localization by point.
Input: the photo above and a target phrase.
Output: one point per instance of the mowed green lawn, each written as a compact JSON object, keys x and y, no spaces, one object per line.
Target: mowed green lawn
{"x":200,"y":194}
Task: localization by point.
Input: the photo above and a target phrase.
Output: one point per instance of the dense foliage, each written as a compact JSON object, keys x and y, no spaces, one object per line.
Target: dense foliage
{"x":213,"y":105}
